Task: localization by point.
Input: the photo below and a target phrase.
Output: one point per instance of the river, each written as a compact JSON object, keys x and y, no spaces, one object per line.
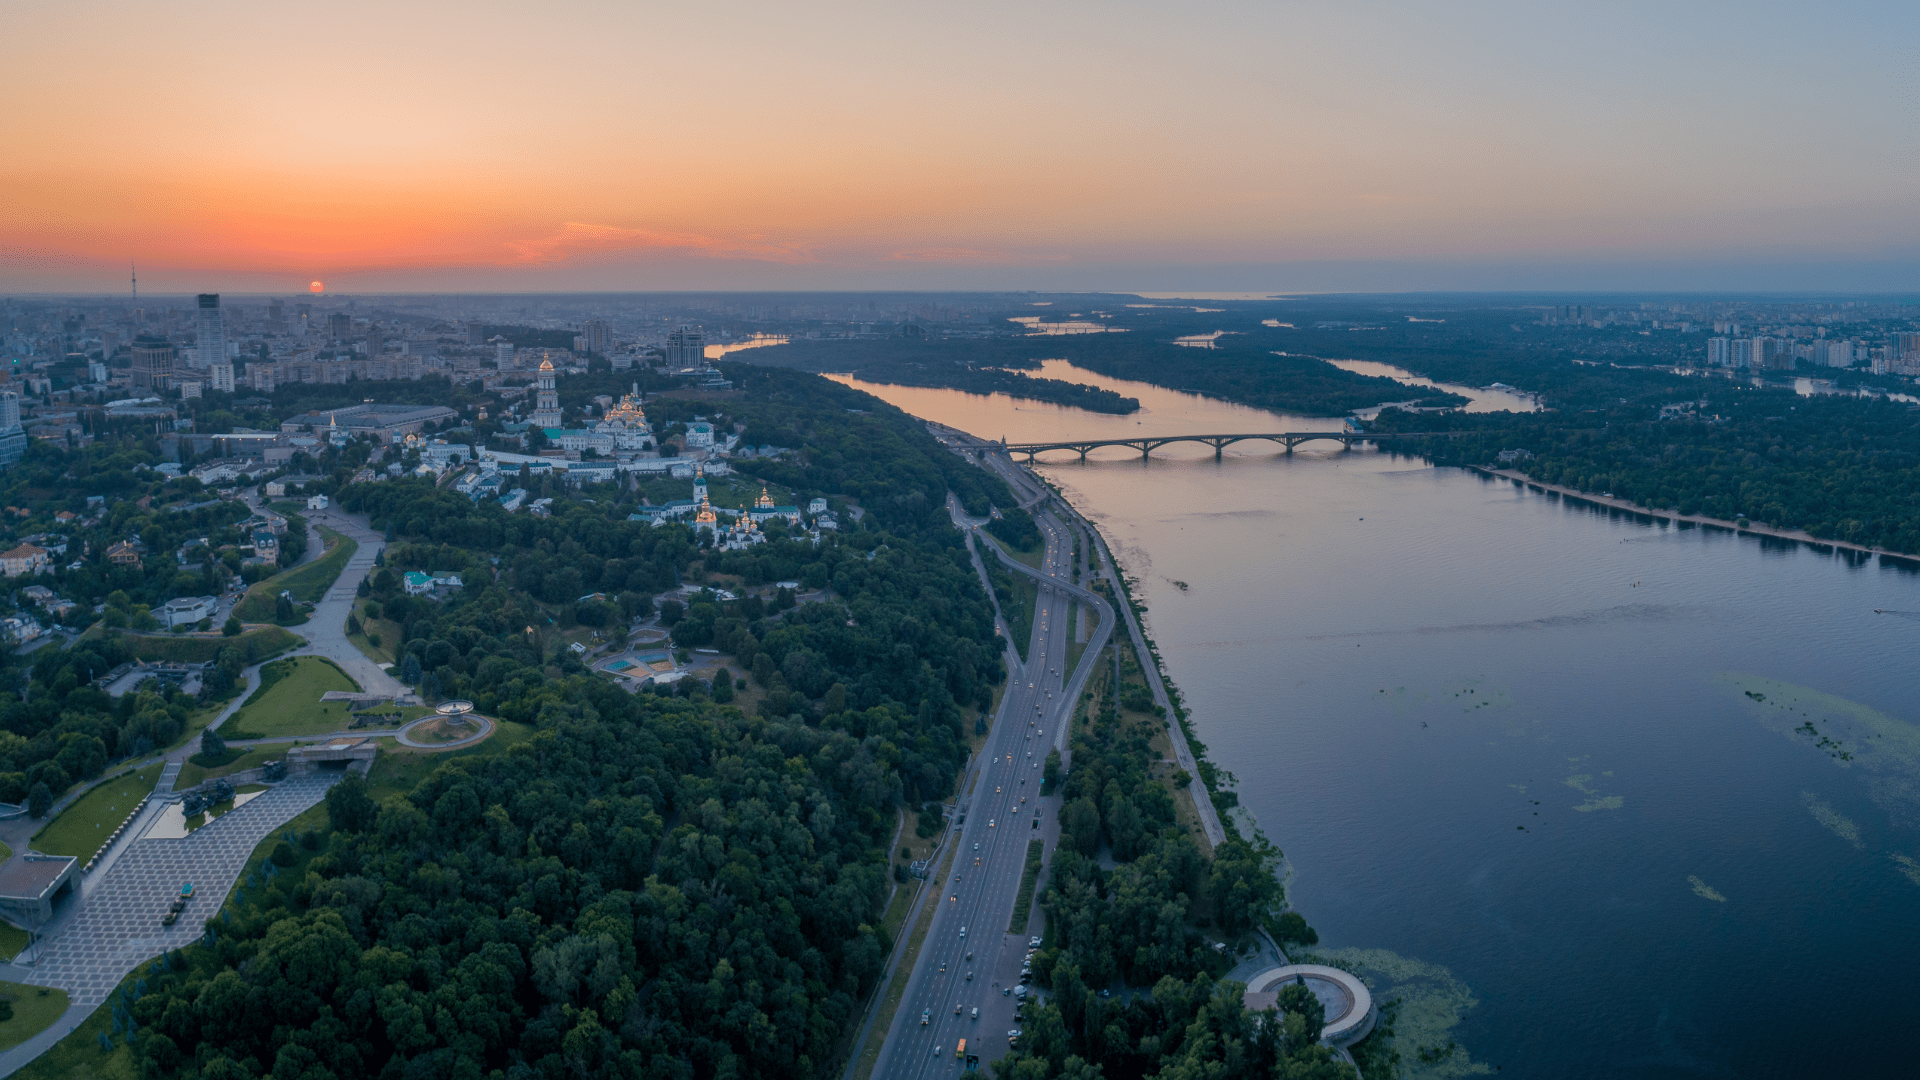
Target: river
{"x":1593,"y":796}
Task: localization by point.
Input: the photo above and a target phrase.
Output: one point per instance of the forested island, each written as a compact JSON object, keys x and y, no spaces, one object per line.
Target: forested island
{"x":1234,"y":369}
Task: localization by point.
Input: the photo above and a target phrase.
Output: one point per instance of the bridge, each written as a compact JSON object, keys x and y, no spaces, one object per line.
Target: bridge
{"x":1148,"y":444}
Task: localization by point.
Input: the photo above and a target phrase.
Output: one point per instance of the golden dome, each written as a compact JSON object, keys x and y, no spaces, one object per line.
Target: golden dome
{"x":546,"y":365}
{"x":706,"y":516}
{"x":765,"y":501}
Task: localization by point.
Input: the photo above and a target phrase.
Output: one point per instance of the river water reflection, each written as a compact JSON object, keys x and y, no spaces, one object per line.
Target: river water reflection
{"x":1554,"y":776}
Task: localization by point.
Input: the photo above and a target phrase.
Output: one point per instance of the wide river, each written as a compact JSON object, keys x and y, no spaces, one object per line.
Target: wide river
{"x":1592,"y":796}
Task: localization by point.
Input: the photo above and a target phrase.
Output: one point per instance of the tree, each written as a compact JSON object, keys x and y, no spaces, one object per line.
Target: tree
{"x":232,"y":627}
{"x":349,"y":808}
{"x":283,"y":608}
{"x":211,"y":744}
{"x":39,"y":801}
{"x":1081,"y":818}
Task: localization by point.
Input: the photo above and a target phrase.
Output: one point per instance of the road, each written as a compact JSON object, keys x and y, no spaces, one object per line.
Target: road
{"x":1034,"y":494}
{"x":969,"y":960}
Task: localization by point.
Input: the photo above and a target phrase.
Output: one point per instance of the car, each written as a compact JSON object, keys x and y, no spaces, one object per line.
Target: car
{"x":976,"y":847}
{"x":1106,"y":993}
{"x":989,"y":823}
{"x":976,"y":1013}
{"x":1033,"y":942}
{"x":1020,"y":991}
{"x":963,"y":931}
{"x":1014,"y":1034}
{"x":170,"y":918}
{"x":926,"y":1017}
{"x":956,"y":1010}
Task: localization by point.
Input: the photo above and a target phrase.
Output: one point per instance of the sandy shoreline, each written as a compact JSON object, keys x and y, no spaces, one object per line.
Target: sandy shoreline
{"x":1751,"y":528}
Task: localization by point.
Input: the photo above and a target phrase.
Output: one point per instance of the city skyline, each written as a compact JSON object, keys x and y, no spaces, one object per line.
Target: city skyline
{"x":1297,"y":148}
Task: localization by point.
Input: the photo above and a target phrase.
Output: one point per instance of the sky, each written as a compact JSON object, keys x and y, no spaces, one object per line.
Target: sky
{"x":601,"y":145}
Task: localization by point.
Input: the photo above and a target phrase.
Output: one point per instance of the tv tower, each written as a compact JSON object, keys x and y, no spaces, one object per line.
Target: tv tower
{"x":134,"y":274}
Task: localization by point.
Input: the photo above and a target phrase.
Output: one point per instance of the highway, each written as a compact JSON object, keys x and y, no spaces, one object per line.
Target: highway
{"x":969,"y":961}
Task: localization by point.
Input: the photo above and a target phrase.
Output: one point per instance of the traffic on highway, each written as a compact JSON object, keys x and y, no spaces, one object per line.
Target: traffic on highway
{"x":962,"y":1001}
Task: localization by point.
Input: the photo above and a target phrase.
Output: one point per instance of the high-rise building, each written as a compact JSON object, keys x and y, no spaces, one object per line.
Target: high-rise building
{"x":686,"y":347}
{"x":503,"y":355}
{"x":546,"y":407}
{"x":1719,"y":352}
{"x":13,"y":441}
{"x":339,"y":326}
{"x":597,"y":338}
{"x":476,"y":334}
{"x":222,"y":376}
{"x":1742,"y":353}
{"x":210,"y":333}
{"x":152,"y":361}
{"x":276,"y":312}
{"x":1909,"y":345}
{"x":376,"y":340}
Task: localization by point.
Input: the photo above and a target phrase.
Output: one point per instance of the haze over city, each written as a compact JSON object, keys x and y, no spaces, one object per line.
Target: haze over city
{"x":1299,"y":146}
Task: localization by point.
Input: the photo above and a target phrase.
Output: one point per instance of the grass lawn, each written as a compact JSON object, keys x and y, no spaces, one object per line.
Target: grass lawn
{"x":251,"y":758}
{"x":83,"y":827}
{"x":399,"y":769}
{"x":288,"y":701}
{"x":34,"y":1008}
{"x":12,"y":940}
{"x":308,"y":582}
{"x":267,"y":641}
{"x":386,"y":629}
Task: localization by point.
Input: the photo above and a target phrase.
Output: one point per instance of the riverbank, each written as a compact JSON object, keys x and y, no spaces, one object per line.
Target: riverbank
{"x":1800,"y":536}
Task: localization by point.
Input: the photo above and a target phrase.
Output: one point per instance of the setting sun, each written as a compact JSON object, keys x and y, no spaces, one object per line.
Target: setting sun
{"x":317,"y":287}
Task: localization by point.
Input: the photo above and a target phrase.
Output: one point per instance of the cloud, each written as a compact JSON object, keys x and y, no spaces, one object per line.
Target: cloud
{"x":576,"y":239}
{"x":972,"y":255}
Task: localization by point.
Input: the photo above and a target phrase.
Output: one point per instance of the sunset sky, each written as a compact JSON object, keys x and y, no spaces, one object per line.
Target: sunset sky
{"x":628,"y":145}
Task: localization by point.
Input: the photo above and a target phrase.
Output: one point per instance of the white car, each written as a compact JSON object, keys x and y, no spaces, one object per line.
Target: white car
{"x":963,"y":931}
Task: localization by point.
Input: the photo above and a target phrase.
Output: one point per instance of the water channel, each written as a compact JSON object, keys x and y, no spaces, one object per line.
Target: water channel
{"x":1592,"y":796}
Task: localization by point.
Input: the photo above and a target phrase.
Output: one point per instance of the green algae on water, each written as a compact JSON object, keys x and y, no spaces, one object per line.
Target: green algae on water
{"x":1583,"y":783}
{"x":1909,"y":866}
{"x":1432,"y":1004}
{"x":1705,"y":891}
{"x":1826,"y":815}
{"x":1849,"y":734}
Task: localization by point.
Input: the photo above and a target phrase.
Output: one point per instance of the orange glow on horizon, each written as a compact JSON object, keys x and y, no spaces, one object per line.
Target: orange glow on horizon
{"x":317,"y":287}
{"x":483,"y":143}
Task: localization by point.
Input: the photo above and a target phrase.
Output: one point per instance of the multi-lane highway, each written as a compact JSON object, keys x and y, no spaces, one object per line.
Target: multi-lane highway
{"x":963,"y":980}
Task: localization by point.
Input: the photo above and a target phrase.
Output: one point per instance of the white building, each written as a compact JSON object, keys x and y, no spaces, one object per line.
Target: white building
{"x":221,"y":374}
{"x":546,"y":408}
{"x":503,"y":355}
{"x":700,"y":435}
{"x":316,"y":502}
{"x":186,"y":610}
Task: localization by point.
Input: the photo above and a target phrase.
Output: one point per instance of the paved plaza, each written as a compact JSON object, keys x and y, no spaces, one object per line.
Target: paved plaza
{"x":117,"y":924}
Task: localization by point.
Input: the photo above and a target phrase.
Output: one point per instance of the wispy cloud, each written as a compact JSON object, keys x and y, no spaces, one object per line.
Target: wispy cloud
{"x":576,"y":239}
{"x":969,"y":255}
